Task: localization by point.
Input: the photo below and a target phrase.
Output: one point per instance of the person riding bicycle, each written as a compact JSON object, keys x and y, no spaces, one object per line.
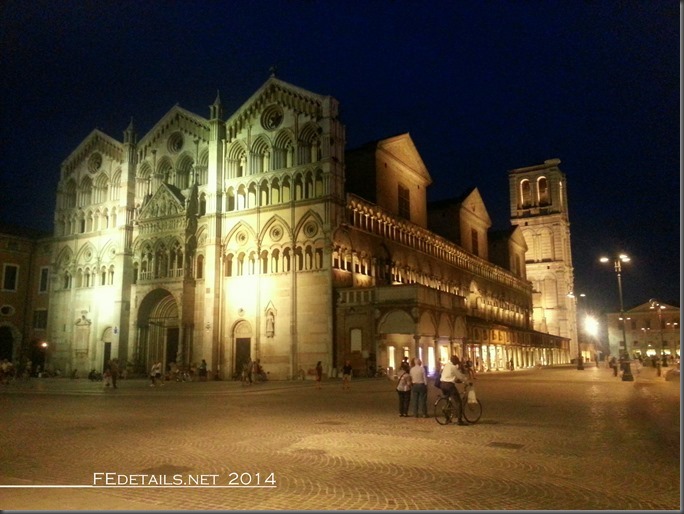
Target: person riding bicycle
{"x":451,"y":375}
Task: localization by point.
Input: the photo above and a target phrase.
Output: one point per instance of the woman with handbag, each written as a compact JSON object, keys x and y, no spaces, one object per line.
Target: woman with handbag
{"x":404,"y":390}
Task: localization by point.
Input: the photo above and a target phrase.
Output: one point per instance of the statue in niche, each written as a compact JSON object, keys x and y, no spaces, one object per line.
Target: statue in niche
{"x":270,"y":324}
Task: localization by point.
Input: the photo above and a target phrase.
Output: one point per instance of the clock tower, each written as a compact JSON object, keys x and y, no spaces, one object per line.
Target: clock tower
{"x":539,"y":206}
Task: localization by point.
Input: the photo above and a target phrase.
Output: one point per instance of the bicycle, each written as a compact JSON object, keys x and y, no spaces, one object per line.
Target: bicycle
{"x":446,"y":409}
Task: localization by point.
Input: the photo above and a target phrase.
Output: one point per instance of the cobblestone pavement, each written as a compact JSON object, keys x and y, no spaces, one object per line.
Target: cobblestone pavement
{"x":550,"y":439}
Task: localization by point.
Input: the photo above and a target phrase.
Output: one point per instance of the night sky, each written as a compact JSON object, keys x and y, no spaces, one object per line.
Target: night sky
{"x":482,"y":87}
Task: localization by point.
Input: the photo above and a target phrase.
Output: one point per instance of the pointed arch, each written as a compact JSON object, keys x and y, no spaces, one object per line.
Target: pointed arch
{"x":265,"y":237}
{"x":85,"y":191}
{"x":165,"y":169}
{"x":261,"y":155}
{"x":309,"y":143}
{"x":184,"y":171}
{"x":86,"y":254}
{"x":283,"y":149}
{"x":240,"y":236}
{"x":236,"y":159}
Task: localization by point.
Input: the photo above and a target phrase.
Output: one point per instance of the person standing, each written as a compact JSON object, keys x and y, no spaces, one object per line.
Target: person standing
{"x":247,"y":373}
{"x":404,"y":390}
{"x":203,"y":371}
{"x":114,"y":370}
{"x":346,"y":376}
{"x":319,"y":374}
{"x":452,"y":374}
{"x":419,"y":389}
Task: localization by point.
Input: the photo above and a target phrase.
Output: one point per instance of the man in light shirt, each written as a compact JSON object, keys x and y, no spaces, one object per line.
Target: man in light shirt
{"x":451,"y":374}
{"x":418,"y":389}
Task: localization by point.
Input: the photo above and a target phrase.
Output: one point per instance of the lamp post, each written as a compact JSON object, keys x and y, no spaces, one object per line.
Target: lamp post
{"x":617,"y":263}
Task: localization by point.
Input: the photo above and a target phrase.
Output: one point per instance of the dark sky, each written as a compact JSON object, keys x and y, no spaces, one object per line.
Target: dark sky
{"x":482,"y":87}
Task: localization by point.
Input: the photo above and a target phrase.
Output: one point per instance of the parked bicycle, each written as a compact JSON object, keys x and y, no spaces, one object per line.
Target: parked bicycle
{"x":447,"y":409}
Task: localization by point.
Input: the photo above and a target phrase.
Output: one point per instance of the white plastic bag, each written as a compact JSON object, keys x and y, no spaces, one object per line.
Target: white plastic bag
{"x":471,"y":396}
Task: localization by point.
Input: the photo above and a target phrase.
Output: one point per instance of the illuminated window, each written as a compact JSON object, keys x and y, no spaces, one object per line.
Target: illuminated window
{"x":525,"y":193}
{"x":543,"y":191}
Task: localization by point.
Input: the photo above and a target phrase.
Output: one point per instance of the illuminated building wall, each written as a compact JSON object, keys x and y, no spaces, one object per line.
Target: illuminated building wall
{"x":24,"y":286}
{"x":258,"y":236}
{"x":651,"y":330}
{"x":539,"y":206}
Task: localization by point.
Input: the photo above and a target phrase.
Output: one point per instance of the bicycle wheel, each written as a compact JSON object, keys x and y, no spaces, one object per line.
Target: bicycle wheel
{"x":444,"y":411}
{"x":472,"y":411}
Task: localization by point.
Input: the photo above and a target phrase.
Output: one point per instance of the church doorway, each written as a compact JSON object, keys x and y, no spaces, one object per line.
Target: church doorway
{"x":6,"y":343}
{"x":242,"y":353}
{"x":158,"y":331}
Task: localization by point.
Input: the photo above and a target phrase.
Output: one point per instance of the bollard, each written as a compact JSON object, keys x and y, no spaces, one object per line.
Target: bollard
{"x":627,"y":372}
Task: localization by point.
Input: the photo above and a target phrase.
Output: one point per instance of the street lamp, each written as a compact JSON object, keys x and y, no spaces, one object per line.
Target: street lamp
{"x":617,"y":263}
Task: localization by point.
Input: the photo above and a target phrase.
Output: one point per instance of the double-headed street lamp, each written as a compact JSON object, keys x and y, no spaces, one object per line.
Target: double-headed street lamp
{"x":617,"y":262}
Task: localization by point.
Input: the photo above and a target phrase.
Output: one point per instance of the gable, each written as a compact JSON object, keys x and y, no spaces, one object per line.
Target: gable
{"x":474,"y":206}
{"x":177,"y":130}
{"x":166,"y":201}
{"x":403,"y":151}
{"x":518,"y":238}
{"x":96,"y":142}
{"x":277,"y":92}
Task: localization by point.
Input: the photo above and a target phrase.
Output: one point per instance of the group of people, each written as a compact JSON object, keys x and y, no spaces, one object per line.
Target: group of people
{"x":253,"y":372}
{"x":413,"y":380}
{"x":7,"y":371}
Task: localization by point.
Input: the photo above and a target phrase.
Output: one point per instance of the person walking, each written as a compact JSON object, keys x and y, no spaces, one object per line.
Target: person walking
{"x":418,"y":389}
{"x":451,"y":375}
{"x":404,"y":390}
{"x":346,"y":376}
{"x":155,"y":373}
{"x":319,"y":374}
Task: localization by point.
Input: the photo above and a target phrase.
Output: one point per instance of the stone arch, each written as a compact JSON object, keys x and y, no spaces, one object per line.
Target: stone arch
{"x":184,"y":171}
{"x":236,"y":159}
{"x":159,"y":336}
{"x":283,"y":149}
{"x":241,"y":347}
{"x":397,"y":321}
{"x":230,"y":241}
{"x":165,"y":169}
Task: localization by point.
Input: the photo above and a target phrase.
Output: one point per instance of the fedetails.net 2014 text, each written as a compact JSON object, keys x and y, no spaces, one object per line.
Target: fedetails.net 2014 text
{"x":233,"y":479}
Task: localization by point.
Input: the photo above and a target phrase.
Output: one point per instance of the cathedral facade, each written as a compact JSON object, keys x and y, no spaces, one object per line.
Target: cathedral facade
{"x":259,"y":236}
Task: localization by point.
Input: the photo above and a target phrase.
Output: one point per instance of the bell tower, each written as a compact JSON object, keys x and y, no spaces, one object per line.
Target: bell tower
{"x":539,"y":206}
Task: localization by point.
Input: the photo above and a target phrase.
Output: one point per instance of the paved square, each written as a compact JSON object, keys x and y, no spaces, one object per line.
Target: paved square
{"x":551,"y":439}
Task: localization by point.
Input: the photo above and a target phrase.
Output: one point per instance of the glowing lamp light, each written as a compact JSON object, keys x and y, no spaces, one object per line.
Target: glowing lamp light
{"x":591,"y":326}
